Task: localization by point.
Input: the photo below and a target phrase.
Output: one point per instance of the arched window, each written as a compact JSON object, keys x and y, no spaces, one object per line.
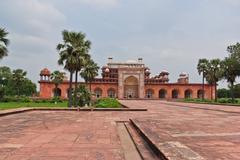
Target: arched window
{"x":162,"y":93}
{"x":57,"y":92}
{"x":149,"y":93}
{"x":98,"y":92}
{"x":200,"y":93}
{"x":174,"y":93}
{"x":188,"y":93}
{"x":111,"y":93}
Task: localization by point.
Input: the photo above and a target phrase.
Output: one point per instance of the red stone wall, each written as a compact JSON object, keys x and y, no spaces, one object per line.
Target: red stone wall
{"x":46,"y":89}
{"x":181,"y":89}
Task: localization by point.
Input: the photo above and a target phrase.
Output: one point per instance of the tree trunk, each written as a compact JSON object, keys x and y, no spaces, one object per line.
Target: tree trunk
{"x":203,"y":87}
{"x":211,"y":92}
{"x":232,"y":95}
{"x":75,"y":91}
{"x":90,"y":86}
{"x":55,"y":90}
{"x":70,"y":90}
{"x":215,"y":87}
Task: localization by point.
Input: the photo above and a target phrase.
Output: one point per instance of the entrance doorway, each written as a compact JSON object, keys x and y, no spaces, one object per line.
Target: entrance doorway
{"x":131,"y":87}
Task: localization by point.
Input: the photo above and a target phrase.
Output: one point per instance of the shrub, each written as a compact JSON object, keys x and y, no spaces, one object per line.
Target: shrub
{"x":55,"y":100}
{"x":107,"y":103}
{"x":83,"y":95}
{"x":23,"y":99}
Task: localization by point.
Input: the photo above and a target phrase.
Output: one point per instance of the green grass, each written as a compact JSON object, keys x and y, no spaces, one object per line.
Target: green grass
{"x":220,"y":101}
{"x":11,"y":105}
{"x":107,"y":103}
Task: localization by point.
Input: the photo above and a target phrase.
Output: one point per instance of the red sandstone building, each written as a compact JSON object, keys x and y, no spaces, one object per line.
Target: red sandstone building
{"x":131,"y":80}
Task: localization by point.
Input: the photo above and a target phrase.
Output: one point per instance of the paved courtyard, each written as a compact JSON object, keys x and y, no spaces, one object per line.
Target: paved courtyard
{"x":192,"y":130}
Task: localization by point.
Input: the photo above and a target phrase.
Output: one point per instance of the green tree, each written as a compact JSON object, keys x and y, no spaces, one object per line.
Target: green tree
{"x":223,"y":93}
{"x":57,"y":78}
{"x":234,"y":51}
{"x":18,"y":78}
{"x":3,"y":43}
{"x":214,"y":73}
{"x":67,"y":57}
{"x":202,"y":69}
{"x":5,"y":76}
{"x":230,"y":72}
{"x":236,"y":91}
{"x":83,"y":95}
{"x":82,"y":47}
{"x":89,"y":72}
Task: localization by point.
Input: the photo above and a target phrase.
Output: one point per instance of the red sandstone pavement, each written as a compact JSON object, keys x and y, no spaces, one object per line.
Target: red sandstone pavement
{"x":41,"y":135}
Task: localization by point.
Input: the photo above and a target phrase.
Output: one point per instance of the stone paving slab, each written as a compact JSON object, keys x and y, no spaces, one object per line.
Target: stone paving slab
{"x":87,"y":135}
{"x":189,"y":133}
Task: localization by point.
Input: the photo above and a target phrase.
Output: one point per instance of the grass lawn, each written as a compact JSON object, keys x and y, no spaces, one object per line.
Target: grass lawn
{"x":221,"y":101}
{"x":11,"y":105}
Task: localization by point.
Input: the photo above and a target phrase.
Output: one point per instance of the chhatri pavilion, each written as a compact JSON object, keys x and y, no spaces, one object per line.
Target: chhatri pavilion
{"x":131,"y":80}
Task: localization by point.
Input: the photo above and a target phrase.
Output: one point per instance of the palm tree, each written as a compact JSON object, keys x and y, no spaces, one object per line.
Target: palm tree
{"x":89,"y":72}
{"x":230,"y":72}
{"x":214,"y":73}
{"x":82,"y":48}
{"x":57,"y":78}
{"x":3,"y":43}
{"x":67,"y":57}
{"x":202,"y":69}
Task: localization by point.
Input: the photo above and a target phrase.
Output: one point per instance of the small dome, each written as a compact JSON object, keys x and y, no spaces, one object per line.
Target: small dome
{"x":107,"y":70}
{"x":183,"y":74}
{"x":164,"y":72}
{"x":45,"y":72}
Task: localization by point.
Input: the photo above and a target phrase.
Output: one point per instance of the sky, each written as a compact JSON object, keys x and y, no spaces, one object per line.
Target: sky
{"x":168,"y":34}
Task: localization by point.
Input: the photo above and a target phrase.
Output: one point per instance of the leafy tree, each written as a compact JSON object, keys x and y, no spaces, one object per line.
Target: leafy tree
{"x":230,"y":72}
{"x":223,"y":93}
{"x":214,"y":73}
{"x":89,"y":72}
{"x":5,"y":75}
{"x":57,"y":78}
{"x":83,"y":95}
{"x":234,"y":51}
{"x":15,"y":83}
{"x":18,"y":78}
{"x":3,"y":43}
{"x":236,"y":91}
{"x":202,"y":69}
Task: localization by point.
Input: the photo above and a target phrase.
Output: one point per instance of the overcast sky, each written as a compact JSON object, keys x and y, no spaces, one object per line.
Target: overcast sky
{"x":168,"y":34}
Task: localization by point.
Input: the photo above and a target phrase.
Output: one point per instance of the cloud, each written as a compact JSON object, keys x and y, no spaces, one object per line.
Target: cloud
{"x":101,"y":3}
{"x":31,"y":16}
{"x":34,"y":28}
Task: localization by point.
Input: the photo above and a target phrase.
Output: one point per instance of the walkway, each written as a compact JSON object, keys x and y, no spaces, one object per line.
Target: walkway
{"x":93,"y":135}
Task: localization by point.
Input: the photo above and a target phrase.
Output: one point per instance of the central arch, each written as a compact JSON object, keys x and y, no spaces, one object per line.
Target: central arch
{"x":131,"y":87}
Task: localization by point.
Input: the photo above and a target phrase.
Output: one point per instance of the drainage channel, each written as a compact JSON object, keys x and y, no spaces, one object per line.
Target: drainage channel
{"x":129,"y":148}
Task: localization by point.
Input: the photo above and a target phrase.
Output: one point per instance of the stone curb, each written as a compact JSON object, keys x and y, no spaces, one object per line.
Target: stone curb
{"x":21,"y":110}
{"x":168,"y":150}
{"x":208,"y":109}
{"x":149,"y":142}
{"x":14,"y":111}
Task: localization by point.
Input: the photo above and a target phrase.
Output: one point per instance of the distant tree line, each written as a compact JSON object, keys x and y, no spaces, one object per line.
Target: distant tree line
{"x":226,"y":93}
{"x":228,"y":69}
{"x":15,"y":83}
